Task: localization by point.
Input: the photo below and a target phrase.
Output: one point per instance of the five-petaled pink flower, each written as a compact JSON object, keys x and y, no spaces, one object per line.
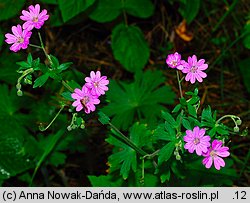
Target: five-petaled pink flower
{"x":196,"y":141}
{"x":194,"y":69}
{"x":97,"y":83}
{"x":174,"y":61}
{"x":34,"y":18}
{"x":214,"y":154}
{"x":19,"y":38}
{"x":84,"y":100}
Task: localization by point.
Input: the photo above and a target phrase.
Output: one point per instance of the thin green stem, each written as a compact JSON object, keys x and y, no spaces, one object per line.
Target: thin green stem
{"x":43,"y":48}
{"x":43,"y":129}
{"x":25,"y":73}
{"x":225,"y":15}
{"x":179,"y":83}
{"x":36,"y":46}
{"x":127,"y":141}
{"x":227,"y":116}
{"x":124,"y":14}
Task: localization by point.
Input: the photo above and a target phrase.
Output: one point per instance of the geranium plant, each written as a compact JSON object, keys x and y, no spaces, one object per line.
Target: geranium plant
{"x":152,"y":144}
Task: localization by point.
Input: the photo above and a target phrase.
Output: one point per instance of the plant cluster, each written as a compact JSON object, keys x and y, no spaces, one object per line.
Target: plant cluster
{"x":152,"y":145}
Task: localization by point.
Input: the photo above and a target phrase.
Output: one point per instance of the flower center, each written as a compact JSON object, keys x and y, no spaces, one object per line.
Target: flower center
{"x":20,"y":40}
{"x":174,"y":63}
{"x":35,"y":19}
{"x":213,"y":153}
{"x":193,"y":69}
{"x":84,"y":101}
{"x":196,"y":141}
{"x":96,"y":84}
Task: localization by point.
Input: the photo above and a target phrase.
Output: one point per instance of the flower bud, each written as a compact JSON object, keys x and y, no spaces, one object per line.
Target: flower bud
{"x":82,"y":126}
{"x":19,"y":93}
{"x":178,"y":157}
{"x":18,"y":86}
{"x":236,"y":129}
{"x":69,"y":128}
{"x":239,"y":122}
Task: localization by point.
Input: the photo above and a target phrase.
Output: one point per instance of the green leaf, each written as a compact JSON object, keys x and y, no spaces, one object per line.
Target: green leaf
{"x":125,"y":158}
{"x":55,"y":62}
{"x":14,"y":156}
{"x":207,"y":117}
{"x":50,"y":145}
{"x":104,"y":119}
{"x":72,"y":8}
{"x":139,"y":8}
{"x":106,"y":10}
{"x":165,"y":176}
{"x":67,"y":96}
{"x":104,"y":181}
{"x":246,"y":39}
{"x":40,"y":81}
{"x":162,"y":133}
{"x":73,"y":84}
{"x":57,"y":158}
{"x":64,"y":66}
{"x":176,"y":108}
{"x":169,"y":118}
{"x":186,"y":124}
{"x":189,"y":9}
{"x":141,"y":99}
{"x":166,"y":152}
{"x":1,"y":38}
{"x":197,"y":172}
{"x":49,"y":1}
{"x":192,"y":110}
{"x":29,"y":58}
{"x":245,"y":72}
{"x":10,"y":8}
{"x":8,"y":67}
{"x":130,"y":47}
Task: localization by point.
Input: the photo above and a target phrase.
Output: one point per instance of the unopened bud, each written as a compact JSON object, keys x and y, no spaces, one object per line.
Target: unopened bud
{"x":236,"y":129}
{"x":178,"y":157}
{"x":69,"y":128}
{"x":239,"y":122}
{"x":18,"y":86}
{"x":19,"y":93}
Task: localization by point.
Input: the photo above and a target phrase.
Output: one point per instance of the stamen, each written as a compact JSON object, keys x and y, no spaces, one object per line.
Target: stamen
{"x":20,"y":40}
{"x":193,"y":69}
{"x":35,"y":19}
{"x":196,"y":141}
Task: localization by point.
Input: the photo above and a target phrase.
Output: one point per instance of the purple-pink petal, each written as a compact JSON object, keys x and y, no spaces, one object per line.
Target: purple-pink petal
{"x":218,"y":162}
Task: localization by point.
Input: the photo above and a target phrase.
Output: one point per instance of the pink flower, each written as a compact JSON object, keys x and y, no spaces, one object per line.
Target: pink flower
{"x":196,"y":141}
{"x":174,"y":61}
{"x":84,"y":100}
{"x":34,"y":18}
{"x":194,"y":69}
{"x":97,"y":83}
{"x":214,"y":154}
{"x":20,"y":39}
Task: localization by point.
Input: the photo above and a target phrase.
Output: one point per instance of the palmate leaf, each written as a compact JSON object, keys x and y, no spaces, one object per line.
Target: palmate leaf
{"x":124,"y":157}
{"x":198,"y":174}
{"x":15,"y":154}
{"x":141,"y":99}
{"x":8,"y":67}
